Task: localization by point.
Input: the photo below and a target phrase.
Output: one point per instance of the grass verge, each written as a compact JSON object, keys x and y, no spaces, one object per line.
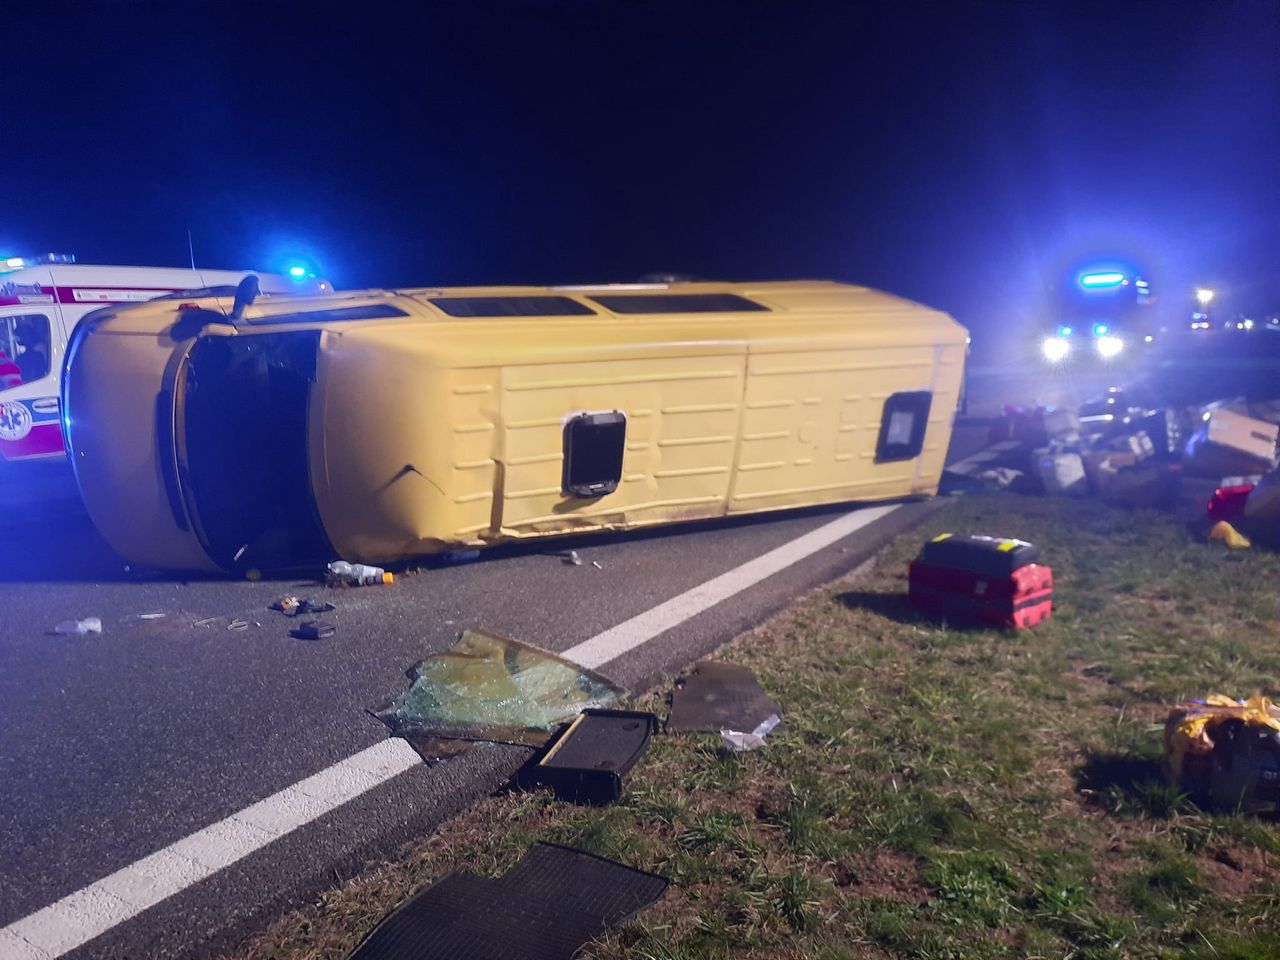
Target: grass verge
{"x":933,"y":793}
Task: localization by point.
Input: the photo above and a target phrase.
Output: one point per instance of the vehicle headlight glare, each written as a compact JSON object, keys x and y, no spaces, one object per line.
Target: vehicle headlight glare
{"x":1109,"y":346}
{"x":1055,"y":349}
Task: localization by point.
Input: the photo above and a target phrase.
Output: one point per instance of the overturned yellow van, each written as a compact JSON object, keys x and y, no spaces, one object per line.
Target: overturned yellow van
{"x":222,"y":434}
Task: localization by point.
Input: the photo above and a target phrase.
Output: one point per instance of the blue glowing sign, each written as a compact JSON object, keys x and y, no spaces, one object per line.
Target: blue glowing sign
{"x":1108,"y":278}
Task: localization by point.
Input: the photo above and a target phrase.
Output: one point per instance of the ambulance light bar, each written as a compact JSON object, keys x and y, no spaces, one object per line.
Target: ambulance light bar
{"x":19,"y":263}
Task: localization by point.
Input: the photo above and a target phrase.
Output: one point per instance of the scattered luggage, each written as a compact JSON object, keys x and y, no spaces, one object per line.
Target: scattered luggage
{"x":996,"y":581}
{"x":1226,"y":752}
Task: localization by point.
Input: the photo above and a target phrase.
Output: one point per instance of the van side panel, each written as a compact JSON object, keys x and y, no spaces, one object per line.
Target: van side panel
{"x":682,"y":417}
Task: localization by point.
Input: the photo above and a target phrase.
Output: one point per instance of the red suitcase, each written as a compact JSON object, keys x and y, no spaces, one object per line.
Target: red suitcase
{"x":988,"y":580}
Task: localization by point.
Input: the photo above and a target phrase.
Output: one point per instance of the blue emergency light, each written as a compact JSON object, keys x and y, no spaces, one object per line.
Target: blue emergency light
{"x":1099,"y":329}
{"x":1108,"y":278}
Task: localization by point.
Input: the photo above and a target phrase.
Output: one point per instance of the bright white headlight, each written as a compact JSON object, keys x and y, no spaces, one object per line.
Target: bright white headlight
{"x":1109,"y":346}
{"x":1055,"y":349}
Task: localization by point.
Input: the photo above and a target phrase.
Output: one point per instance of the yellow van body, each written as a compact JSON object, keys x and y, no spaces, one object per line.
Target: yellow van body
{"x":383,"y":425}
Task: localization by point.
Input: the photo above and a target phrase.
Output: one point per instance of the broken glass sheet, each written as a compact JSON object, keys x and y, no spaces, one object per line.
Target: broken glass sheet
{"x":487,"y":687}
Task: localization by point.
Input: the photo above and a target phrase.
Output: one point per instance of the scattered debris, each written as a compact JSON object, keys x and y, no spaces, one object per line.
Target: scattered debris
{"x":978,"y":579}
{"x":454,"y":557}
{"x":544,"y":908}
{"x":152,"y":616}
{"x":1227,"y":751}
{"x":571,"y":557}
{"x":1229,"y":535}
{"x":1061,"y":472}
{"x":294,"y":607}
{"x":346,"y":574}
{"x":487,"y":687}
{"x":79,"y":628}
{"x":313,"y":630}
{"x":205,"y":622}
{"x":597,"y":565}
{"x":742,"y":742}
{"x":1230,"y":442}
{"x":585,"y":761}
{"x":238,"y":624}
{"x":1000,"y":477}
{"x":718,"y":695}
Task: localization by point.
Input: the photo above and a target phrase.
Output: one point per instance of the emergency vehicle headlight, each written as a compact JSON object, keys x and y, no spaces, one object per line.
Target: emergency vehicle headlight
{"x":1055,"y":349}
{"x":1109,"y":346}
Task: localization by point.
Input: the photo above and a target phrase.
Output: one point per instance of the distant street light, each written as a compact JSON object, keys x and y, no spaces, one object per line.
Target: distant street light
{"x":1204,"y":295}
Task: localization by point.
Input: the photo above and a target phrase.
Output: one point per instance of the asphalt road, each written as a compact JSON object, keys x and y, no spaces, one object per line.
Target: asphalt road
{"x":115,"y":746}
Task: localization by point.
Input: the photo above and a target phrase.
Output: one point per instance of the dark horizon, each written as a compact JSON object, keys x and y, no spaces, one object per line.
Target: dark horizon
{"x":961,"y":155}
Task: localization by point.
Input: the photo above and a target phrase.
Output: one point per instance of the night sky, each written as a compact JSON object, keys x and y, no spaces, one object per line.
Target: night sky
{"x":961,"y":154}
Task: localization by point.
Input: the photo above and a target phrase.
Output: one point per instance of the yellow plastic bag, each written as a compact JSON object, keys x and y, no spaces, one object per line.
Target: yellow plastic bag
{"x":1188,"y":733}
{"x":1229,"y":535}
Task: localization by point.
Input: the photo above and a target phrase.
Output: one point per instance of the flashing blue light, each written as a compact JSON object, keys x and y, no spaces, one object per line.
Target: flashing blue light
{"x":1108,"y":279}
{"x":1099,"y":329}
{"x":298,"y":272}
{"x":1064,"y":331}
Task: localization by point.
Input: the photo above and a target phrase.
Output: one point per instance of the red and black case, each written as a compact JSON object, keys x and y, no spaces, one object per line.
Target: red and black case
{"x":975,"y":579}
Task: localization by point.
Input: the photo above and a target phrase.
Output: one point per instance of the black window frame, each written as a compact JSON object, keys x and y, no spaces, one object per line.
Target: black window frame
{"x":368,"y":311}
{"x":633,"y":303}
{"x":550,"y":305}
{"x":916,"y":402}
{"x":599,"y":484}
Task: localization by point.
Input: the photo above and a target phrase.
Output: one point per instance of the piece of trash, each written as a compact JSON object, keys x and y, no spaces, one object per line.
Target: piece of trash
{"x":151,"y":616}
{"x":597,"y":565}
{"x":205,"y":622}
{"x":571,"y":557}
{"x":287,"y":605}
{"x":79,"y":628}
{"x":238,"y":624}
{"x":978,"y":579}
{"x":1227,"y":751}
{"x":1226,"y":533}
{"x":293,"y":607}
{"x":1000,"y":476}
{"x":716,"y":695}
{"x":314,"y":630}
{"x":741,"y":742}
{"x":460,"y":556}
{"x":585,"y":761}
{"x":357,"y":574}
{"x":487,"y":687}
{"x":240,"y":553}
{"x":1061,"y":473}
{"x":544,"y":908}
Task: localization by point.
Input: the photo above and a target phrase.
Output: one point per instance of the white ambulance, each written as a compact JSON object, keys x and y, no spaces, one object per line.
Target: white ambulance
{"x":42,"y":298}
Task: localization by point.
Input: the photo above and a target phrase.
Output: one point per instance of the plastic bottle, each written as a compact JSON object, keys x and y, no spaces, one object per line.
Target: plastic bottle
{"x":79,"y":628}
{"x":358,"y":574}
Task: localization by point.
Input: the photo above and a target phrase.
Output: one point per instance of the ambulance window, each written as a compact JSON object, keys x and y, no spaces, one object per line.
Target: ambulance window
{"x":902,"y":426}
{"x":593,"y":444}
{"x":25,"y":348}
{"x":511,"y":306}
{"x":679,"y":303}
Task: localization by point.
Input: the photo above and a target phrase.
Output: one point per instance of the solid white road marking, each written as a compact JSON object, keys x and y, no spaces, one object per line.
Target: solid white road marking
{"x":93,"y":910}
{"x":640,"y":629}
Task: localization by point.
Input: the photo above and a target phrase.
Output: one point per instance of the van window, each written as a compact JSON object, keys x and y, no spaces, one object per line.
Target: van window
{"x":25,"y":348}
{"x":593,"y":445}
{"x":902,"y":426}
{"x":678,"y":303}
{"x":511,"y":306}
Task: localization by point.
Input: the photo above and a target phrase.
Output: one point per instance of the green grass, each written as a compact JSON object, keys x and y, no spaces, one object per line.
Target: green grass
{"x":932,"y":793}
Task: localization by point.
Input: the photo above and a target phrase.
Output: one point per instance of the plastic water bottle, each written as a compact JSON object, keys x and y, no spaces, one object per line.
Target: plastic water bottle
{"x":358,"y":574}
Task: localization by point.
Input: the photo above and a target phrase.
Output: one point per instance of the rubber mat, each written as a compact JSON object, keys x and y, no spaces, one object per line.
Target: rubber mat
{"x":544,"y":908}
{"x":719,"y":696}
{"x":588,"y":884}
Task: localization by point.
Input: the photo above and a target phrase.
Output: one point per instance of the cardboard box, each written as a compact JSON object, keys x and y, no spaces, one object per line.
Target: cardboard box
{"x":1231,"y":443}
{"x":1061,"y":473}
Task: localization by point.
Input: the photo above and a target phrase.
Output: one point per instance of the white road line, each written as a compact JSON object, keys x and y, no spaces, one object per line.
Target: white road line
{"x":77,"y":918}
{"x":969,"y":464}
{"x":642,"y":628}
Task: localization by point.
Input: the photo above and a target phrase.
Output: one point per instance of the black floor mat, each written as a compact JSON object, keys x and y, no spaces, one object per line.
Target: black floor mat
{"x":719,"y":696}
{"x":544,"y":908}
{"x":588,"y":884}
